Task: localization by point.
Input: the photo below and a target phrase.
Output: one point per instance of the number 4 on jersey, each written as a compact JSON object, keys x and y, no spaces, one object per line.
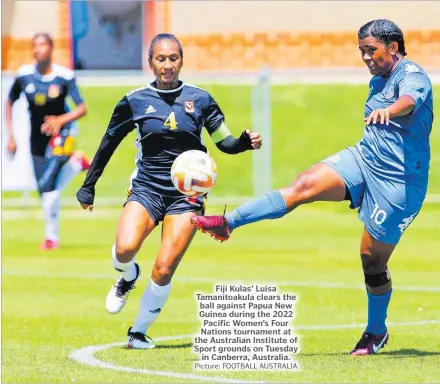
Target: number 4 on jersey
{"x":171,"y":121}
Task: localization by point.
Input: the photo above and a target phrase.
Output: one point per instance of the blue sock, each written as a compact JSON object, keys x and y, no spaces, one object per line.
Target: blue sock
{"x":269,"y":206}
{"x":377,"y":312}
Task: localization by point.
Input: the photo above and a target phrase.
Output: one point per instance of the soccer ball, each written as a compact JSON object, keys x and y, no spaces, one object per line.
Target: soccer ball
{"x":194,"y":173}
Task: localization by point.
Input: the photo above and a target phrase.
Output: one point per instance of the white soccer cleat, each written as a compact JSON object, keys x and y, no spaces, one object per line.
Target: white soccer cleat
{"x":118,"y":295}
{"x":137,"y":340}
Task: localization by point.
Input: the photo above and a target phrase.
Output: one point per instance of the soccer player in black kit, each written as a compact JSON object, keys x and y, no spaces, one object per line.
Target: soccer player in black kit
{"x":168,"y":116}
{"x":46,"y":86}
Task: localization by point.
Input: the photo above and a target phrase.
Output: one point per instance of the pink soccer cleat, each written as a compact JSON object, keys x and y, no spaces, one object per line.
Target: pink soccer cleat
{"x":83,"y":159}
{"x":216,"y":226}
{"x":370,"y":344}
{"x":49,"y":244}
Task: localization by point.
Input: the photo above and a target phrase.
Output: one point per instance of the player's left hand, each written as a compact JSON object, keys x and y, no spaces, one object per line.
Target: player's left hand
{"x":51,"y":125}
{"x":381,"y":115}
{"x":256,"y":140}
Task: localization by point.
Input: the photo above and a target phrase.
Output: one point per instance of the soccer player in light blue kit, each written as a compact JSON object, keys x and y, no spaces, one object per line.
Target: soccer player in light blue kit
{"x":385,"y":174}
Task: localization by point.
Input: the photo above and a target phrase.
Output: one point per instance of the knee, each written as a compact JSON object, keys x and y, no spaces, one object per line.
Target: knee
{"x":45,"y":186}
{"x":162,"y":273}
{"x":376,"y":273}
{"x":303,"y":187}
{"x":125,"y":251}
{"x":373,"y":264}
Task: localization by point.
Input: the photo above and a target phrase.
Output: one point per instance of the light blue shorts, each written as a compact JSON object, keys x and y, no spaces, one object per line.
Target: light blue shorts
{"x":386,"y":207}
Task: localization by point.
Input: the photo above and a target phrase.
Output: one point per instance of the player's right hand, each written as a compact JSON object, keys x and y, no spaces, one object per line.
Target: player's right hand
{"x":12,"y":147}
{"x":86,"y":196}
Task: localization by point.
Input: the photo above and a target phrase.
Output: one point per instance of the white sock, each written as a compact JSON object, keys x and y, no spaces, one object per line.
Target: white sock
{"x":127,"y":270}
{"x":68,"y":172}
{"x":152,"y":302}
{"x":51,"y":207}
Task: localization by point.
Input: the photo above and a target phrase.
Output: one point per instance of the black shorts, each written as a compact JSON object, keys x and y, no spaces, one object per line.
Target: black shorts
{"x":159,"y":206}
{"x":48,"y":167}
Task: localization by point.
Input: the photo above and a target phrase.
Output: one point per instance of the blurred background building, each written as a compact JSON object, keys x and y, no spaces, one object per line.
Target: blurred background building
{"x":216,"y":35}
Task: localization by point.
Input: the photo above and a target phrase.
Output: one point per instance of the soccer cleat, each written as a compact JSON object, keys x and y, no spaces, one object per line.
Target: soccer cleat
{"x":83,"y":160}
{"x":216,"y":226}
{"x":137,"y":340}
{"x":118,"y":295}
{"x":49,"y":244}
{"x":370,"y":344}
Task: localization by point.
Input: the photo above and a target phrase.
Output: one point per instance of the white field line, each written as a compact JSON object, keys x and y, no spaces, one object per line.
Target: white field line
{"x":107,"y":202}
{"x":181,"y":279}
{"x":86,"y":356}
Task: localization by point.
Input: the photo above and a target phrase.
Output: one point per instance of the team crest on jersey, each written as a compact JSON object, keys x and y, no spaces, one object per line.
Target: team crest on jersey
{"x":189,"y":106}
{"x":389,"y":93}
{"x":54,"y":91}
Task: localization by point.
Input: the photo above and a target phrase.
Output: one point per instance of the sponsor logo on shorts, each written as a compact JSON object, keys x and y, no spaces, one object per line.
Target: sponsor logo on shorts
{"x":406,"y":222}
{"x":379,"y":230}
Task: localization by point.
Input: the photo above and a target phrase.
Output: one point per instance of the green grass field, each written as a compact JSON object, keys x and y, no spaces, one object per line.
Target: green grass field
{"x":54,"y":303}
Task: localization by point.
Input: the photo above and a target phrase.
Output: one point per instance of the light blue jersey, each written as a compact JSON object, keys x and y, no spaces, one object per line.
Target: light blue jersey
{"x":386,"y":173}
{"x":399,"y":151}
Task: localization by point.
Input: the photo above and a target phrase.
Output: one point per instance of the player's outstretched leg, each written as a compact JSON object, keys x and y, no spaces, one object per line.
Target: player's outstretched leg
{"x":77,"y":163}
{"x":134,"y":225}
{"x":319,"y":183}
{"x":375,"y":256}
{"x":176,"y":238}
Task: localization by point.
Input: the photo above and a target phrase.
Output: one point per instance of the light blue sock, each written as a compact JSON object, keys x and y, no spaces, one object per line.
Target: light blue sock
{"x":377,"y":312}
{"x":269,"y":206}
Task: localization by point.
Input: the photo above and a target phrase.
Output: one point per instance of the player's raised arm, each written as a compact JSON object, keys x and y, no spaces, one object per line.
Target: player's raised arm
{"x":414,"y":87}
{"x":221,"y":135}
{"x":120,"y":125}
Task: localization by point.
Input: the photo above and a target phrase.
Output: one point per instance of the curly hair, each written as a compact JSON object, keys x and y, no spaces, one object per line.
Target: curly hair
{"x":385,"y":31}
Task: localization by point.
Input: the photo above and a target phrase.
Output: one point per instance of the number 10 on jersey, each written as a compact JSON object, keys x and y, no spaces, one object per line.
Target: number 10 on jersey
{"x":171,"y":121}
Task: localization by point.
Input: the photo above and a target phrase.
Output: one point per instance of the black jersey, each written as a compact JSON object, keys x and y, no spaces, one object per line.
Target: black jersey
{"x":167,"y":123}
{"x":46,"y":95}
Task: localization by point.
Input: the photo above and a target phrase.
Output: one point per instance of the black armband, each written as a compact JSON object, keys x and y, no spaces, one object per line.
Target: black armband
{"x":232,"y":146}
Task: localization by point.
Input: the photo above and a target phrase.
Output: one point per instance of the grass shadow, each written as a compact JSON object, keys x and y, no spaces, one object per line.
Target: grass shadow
{"x":411,"y":353}
{"x":395,"y":353}
{"x":174,"y":346}
{"x":166,"y":346}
